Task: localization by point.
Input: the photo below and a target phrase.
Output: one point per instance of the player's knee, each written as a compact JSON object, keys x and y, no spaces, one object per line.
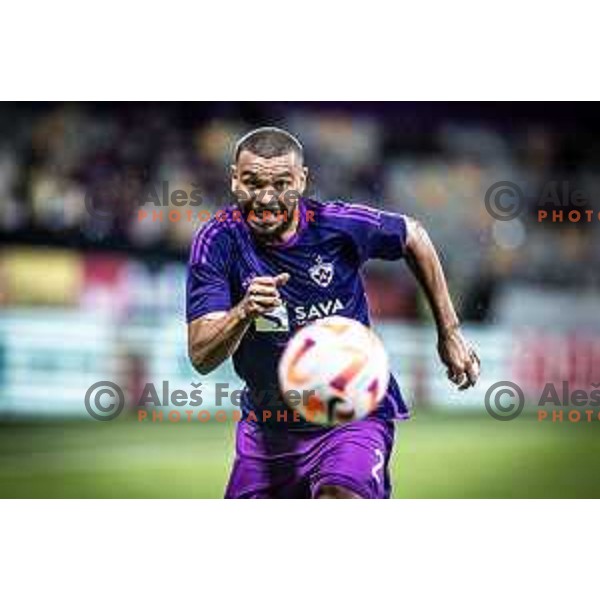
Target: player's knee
{"x":336,"y":492}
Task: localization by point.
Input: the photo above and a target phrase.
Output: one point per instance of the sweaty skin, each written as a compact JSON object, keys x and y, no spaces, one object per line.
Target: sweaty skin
{"x":460,"y":359}
{"x":269,"y":188}
{"x":215,"y":337}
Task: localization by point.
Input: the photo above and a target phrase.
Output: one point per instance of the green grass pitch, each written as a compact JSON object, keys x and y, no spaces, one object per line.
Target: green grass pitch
{"x":437,"y":455}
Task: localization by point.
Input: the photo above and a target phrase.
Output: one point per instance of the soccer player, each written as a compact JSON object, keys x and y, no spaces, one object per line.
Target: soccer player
{"x":265,"y":266}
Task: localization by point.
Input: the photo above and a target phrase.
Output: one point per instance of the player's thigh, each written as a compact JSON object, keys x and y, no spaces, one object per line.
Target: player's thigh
{"x":264,"y":466}
{"x":248,"y":479}
{"x":355,"y":458}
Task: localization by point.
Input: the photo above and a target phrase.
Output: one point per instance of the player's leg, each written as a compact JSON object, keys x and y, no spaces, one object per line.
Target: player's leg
{"x":249,"y":479}
{"x":336,"y":492}
{"x":354,"y":461}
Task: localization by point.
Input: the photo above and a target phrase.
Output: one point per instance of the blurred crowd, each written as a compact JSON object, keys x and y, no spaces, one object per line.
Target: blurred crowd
{"x":58,"y":159}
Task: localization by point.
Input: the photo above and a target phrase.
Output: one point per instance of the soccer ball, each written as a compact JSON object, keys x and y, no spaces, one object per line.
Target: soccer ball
{"x":333,"y":371}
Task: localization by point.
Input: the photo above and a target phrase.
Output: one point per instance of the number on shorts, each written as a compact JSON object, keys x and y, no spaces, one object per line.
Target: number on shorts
{"x":378,"y":465}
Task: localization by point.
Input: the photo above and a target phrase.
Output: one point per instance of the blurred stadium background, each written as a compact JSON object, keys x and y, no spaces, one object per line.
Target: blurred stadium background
{"x":85,"y":299}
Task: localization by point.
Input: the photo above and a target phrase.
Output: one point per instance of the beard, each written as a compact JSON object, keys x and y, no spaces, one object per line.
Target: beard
{"x":268,"y":222}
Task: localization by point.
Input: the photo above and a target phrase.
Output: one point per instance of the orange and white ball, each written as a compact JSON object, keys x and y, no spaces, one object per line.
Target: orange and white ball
{"x":333,"y":371}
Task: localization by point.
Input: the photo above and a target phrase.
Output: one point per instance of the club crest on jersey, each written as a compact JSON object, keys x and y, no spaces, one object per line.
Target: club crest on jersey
{"x":321,"y":272}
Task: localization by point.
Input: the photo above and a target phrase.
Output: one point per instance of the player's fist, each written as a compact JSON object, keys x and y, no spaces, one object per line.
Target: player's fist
{"x":461,"y":359}
{"x":262,"y":295}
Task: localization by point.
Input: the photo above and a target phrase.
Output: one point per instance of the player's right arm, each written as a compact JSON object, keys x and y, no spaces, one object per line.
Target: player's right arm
{"x":215,"y":336}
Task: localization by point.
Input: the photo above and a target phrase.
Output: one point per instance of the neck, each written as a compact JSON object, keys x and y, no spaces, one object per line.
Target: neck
{"x":287,"y":235}
{"x":290,"y":232}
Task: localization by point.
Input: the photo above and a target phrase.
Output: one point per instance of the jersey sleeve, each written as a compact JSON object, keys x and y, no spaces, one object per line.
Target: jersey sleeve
{"x":374,"y":233}
{"x":207,"y":286}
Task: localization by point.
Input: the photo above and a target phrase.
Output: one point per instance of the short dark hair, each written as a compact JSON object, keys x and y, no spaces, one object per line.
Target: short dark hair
{"x":268,"y":142}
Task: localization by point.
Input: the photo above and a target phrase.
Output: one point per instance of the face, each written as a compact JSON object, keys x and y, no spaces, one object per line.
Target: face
{"x":268,"y":190}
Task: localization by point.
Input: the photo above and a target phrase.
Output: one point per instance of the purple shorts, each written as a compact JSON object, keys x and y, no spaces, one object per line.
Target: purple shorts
{"x":272,"y":463}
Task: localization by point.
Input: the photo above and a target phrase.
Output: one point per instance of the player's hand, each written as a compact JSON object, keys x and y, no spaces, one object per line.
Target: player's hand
{"x":461,"y":359}
{"x":262,"y":295}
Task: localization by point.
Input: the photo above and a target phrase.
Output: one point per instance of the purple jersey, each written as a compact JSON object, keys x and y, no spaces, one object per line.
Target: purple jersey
{"x":323,"y":259}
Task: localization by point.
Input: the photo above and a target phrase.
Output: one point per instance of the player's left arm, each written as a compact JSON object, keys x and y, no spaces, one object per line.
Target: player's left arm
{"x":421,"y":256}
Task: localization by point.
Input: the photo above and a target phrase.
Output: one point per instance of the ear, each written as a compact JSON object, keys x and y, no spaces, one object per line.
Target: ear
{"x":303,"y":180}
{"x":234,"y":177}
